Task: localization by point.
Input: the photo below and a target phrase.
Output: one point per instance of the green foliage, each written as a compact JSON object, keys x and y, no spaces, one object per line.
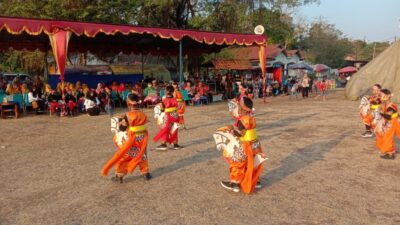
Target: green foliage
{"x":322,"y":43}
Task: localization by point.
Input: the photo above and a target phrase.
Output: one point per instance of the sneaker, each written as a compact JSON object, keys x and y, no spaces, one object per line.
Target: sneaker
{"x":147,"y":176}
{"x":230,"y":186}
{"x":162,"y":147}
{"x":118,"y":178}
{"x":388,"y":156}
{"x":258,"y":185}
{"x":366,"y":134}
{"x":176,"y":146}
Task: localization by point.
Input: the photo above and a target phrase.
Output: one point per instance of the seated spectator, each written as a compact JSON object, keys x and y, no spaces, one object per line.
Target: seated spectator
{"x":92,"y":104}
{"x":34,"y":97}
{"x":190,"y":90}
{"x":60,"y":85}
{"x":78,"y":85}
{"x":12,"y":89}
{"x":70,"y":102}
{"x":120,"y":90}
{"x":3,"y":85}
{"x":137,"y":89}
{"x":150,"y":94}
{"x":114,"y":86}
{"x":201,"y":94}
{"x":53,"y":99}
{"x":47,"y":90}
{"x":85,"y":89}
{"x":80,"y":99}
{"x":24,"y":89}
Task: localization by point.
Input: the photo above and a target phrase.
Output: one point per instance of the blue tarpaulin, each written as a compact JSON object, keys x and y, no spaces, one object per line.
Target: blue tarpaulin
{"x":93,"y":80}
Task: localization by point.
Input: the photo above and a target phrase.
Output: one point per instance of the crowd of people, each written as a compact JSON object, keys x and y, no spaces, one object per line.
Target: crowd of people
{"x":70,"y":98}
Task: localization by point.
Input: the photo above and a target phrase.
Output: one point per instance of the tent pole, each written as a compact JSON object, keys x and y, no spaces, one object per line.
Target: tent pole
{"x":46,"y":72}
{"x":180,"y":63}
{"x":141,"y":54}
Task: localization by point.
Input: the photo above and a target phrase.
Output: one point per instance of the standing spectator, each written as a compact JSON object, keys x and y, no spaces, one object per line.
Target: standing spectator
{"x":294,"y":89}
{"x":305,"y":83}
{"x":108,"y":105}
{"x":322,"y":89}
{"x":228,"y":86}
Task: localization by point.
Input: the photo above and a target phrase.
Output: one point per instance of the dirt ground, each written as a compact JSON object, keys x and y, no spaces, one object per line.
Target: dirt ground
{"x":320,"y":171}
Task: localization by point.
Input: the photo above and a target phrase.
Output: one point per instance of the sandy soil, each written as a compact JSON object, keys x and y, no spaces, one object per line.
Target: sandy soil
{"x":320,"y":171}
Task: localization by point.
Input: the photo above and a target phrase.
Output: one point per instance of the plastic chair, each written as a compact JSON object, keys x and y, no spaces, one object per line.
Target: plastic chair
{"x":19,"y":99}
{"x":115,"y":98}
{"x":2,"y":95}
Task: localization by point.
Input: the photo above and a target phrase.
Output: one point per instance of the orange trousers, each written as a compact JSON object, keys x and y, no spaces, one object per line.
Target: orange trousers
{"x":181,"y":111}
{"x":237,"y":171}
{"x":244,"y":172}
{"x":368,"y":120}
{"x":121,"y":167}
{"x":385,"y":141}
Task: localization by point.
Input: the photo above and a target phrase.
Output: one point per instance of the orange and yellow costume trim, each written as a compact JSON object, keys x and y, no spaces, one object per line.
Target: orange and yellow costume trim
{"x":181,"y":106}
{"x":132,"y":152}
{"x":390,"y":128}
{"x":242,"y":171}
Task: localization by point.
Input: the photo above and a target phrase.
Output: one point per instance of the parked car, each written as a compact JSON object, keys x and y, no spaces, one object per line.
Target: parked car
{"x":9,"y":77}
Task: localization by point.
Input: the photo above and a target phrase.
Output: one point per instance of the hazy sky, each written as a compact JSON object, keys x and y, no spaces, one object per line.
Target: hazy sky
{"x":374,"y":20}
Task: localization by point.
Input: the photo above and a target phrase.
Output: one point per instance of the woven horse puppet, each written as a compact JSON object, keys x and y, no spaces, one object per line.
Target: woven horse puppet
{"x":365,"y":108}
{"x":161,"y":118}
{"x":119,"y":135}
{"x":230,"y":144}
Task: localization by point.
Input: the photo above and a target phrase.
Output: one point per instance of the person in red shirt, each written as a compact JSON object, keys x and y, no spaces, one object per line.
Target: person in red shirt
{"x":322,"y":90}
{"x":169,"y":130}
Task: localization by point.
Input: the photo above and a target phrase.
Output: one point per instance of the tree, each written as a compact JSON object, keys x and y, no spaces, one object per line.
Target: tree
{"x":210,"y":15}
{"x":325,"y":44}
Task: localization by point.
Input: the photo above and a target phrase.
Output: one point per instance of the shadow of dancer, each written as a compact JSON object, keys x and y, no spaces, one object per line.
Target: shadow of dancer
{"x":201,"y":156}
{"x":300,"y":159}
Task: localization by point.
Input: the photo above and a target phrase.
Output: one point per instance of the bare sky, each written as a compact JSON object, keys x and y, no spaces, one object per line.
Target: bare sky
{"x":372,"y":20}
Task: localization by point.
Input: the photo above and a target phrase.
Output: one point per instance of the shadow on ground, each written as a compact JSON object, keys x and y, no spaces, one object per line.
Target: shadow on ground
{"x":300,"y":159}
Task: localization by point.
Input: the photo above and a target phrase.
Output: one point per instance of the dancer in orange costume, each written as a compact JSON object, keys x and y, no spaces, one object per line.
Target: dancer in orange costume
{"x":369,"y":104}
{"x":169,"y":131}
{"x":387,"y":127}
{"x":244,"y":174}
{"x":132,"y":151}
{"x":181,"y":105}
